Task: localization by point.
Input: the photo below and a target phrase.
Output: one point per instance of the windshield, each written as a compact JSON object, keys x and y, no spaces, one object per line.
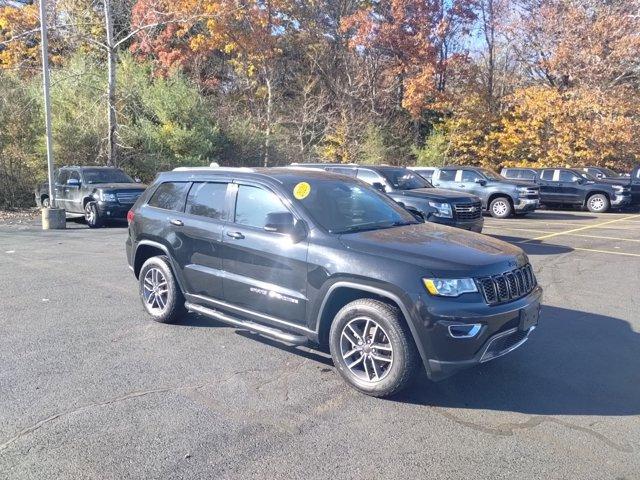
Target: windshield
{"x":608,"y":172}
{"x":587,"y":176}
{"x":347,"y":206}
{"x":490,"y":174}
{"x":403,"y":179}
{"x":105,"y":175}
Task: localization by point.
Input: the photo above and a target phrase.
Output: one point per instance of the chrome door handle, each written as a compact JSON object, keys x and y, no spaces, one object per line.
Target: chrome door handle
{"x":176,"y":222}
{"x":236,"y":235}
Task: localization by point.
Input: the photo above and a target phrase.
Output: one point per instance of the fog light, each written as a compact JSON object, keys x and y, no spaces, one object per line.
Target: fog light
{"x":465,"y":331}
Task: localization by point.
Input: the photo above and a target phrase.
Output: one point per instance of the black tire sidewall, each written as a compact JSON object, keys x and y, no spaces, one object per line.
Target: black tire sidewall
{"x":389,"y":320}
{"x":509,"y":207}
{"x":174,"y":309}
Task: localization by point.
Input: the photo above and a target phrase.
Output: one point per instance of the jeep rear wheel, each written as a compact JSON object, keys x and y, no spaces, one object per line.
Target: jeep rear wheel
{"x":500,"y":207}
{"x":45,"y":202}
{"x":159,"y":291}
{"x":372,"y":348}
{"x":598,"y":203}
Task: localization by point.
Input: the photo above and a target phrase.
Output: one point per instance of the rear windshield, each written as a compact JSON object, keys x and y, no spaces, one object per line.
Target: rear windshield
{"x":347,"y":206}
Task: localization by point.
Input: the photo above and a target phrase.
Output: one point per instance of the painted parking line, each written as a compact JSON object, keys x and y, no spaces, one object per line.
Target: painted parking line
{"x":607,"y":251}
{"x":586,"y":227}
{"x":581,"y":235}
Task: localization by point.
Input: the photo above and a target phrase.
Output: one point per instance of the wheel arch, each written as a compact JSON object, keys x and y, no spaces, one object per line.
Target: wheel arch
{"x":595,"y":192}
{"x":495,"y":195}
{"x":144,"y":251}
{"x":343,"y":292}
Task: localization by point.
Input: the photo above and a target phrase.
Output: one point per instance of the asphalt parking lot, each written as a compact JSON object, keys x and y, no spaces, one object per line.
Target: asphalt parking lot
{"x":91,"y":388}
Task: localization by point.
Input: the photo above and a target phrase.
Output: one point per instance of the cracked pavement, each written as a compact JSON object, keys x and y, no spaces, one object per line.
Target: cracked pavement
{"x":91,"y":388}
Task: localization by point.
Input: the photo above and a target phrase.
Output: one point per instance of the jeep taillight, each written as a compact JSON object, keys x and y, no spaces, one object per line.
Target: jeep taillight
{"x":130,"y":216}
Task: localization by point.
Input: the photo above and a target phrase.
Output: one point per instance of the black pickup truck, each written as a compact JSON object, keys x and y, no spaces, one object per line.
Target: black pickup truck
{"x":415,"y":194}
{"x":568,"y":186}
{"x":97,"y":193}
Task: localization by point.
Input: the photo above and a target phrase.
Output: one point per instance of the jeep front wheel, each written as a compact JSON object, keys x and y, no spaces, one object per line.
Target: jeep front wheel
{"x":500,"y":207}
{"x":372,"y":348}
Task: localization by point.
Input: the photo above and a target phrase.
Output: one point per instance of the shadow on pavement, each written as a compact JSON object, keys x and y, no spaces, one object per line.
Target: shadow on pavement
{"x":576,"y":363}
{"x":535,"y":247}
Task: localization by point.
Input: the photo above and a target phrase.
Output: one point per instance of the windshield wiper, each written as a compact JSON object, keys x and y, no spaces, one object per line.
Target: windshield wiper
{"x":377,"y":226}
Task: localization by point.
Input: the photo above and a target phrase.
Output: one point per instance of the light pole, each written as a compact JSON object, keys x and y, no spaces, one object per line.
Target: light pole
{"x":52,"y":218}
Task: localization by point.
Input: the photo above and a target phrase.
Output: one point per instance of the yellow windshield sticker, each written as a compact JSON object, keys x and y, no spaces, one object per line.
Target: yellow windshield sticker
{"x":301,"y":190}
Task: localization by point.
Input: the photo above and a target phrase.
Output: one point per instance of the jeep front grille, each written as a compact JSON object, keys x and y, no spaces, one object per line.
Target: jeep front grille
{"x":507,"y":286}
{"x":467,"y":211}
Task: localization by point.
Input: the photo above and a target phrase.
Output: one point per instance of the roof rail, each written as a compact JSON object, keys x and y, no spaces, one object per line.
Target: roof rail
{"x":213,"y":169}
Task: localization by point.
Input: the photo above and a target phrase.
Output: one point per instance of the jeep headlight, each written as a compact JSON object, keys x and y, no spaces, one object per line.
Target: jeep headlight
{"x":442,"y":209}
{"x":108,"y":197}
{"x":449,"y":287}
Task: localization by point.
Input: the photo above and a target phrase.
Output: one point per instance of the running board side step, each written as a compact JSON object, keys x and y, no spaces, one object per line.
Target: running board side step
{"x":247,"y":325}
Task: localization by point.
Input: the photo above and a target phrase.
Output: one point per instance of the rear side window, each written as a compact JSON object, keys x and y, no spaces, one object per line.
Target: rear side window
{"x":170,"y":196}
{"x":207,"y":200}
{"x":254,"y":204}
{"x":547,"y":175}
{"x":447,"y":175}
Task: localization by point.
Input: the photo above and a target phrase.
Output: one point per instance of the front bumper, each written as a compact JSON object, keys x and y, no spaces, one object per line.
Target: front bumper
{"x":526,"y":204}
{"x":112,"y":210}
{"x":502,"y":330}
{"x":474,"y":225}
{"x":621,"y":200}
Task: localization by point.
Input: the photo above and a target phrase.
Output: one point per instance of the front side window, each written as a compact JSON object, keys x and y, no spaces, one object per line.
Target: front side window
{"x":425,"y":173}
{"x":347,"y":206}
{"x":170,"y":196}
{"x":253,"y":204}
{"x":207,"y":200}
{"x":404,"y":179}
{"x":74,"y":175}
{"x":63,"y":176}
{"x":105,"y":175}
{"x":568,"y":176}
{"x":490,"y":174}
{"x":470,"y":176}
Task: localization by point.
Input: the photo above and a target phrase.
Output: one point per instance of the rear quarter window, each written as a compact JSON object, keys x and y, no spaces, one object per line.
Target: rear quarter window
{"x":170,"y":196}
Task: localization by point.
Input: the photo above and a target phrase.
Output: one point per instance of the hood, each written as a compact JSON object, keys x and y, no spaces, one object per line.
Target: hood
{"x":624,"y":181}
{"x":441,"y":250}
{"x":516,"y":183}
{"x":439,"y":194}
{"x":119,"y":186}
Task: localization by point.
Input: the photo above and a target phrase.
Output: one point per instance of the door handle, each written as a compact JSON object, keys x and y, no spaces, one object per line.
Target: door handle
{"x":236,"y":235}
{"x":176,"y":222}
{"x":461,"y":186}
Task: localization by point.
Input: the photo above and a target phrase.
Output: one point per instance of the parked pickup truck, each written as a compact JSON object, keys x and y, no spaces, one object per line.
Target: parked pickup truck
{"x":500,"y":197}
{"x":97,"y":193}
{"x":415,"y":194}
{"x":567,"y":186}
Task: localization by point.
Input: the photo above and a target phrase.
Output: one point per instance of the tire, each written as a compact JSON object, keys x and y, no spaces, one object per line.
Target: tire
{"x":382,"y":371}
{"x":500,"y":207}
{"x":92,"y":216}
{"x":598,"y":203}
{"x":164,"y":305}
{"x":45,"y":202}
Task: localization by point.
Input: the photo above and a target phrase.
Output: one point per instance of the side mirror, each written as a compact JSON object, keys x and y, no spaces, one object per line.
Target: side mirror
{"x":481,"y":181}
{"x":402,"y":205}
{"x":73,"y":182}
{"x":279,"y":222}
{"x":378,"y":186}
{"x":580,"y":181}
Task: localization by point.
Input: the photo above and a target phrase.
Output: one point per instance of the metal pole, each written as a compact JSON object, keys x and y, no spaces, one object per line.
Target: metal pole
{"x":47,"y":101}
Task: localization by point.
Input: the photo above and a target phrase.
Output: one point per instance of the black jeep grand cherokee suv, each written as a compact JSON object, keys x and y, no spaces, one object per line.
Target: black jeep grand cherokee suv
{"x":310,"y":256}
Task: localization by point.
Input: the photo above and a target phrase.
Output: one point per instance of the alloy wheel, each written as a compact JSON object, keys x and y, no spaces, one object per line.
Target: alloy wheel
{"x":500,"y":208}
{"x":596,"y":203}
{"x":156,"y":291}
{"x":366,"y":349}
{"x":89,"y":213}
